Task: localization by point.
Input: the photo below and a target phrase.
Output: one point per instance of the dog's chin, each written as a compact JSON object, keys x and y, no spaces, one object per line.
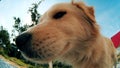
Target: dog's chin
{"x":36,"y":60}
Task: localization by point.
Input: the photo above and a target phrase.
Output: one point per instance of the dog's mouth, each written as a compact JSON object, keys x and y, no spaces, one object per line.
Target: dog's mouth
{"x":34,"y":56}
{"x":41,"y":50}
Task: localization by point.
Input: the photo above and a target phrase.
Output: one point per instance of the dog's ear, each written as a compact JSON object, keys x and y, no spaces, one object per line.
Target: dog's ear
{"x":89,"y":11}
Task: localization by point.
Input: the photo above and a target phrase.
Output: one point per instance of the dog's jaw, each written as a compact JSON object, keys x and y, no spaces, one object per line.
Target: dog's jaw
{"x":46,"y":59}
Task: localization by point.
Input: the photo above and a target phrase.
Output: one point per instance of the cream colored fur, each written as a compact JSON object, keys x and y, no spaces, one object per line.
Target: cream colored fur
{"x":73,"y":38}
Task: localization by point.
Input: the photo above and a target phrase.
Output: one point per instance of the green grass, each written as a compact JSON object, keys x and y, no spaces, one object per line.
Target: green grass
{"x":22,"y":63}
{"x":15,"y":60}
{"x":19,"y":62}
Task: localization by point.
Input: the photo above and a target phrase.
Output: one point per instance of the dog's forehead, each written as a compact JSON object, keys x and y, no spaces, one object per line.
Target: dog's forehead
{"x":61,"y":6}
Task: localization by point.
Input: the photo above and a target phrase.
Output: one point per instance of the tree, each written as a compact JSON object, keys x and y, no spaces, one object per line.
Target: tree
{"x":18,"y":27}
{"x":34,"y":13}
{"x":4,"y":36}
{"x":5,"y":40}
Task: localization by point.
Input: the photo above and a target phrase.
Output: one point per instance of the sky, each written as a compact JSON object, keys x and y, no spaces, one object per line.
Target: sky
{"x":107,"y":13}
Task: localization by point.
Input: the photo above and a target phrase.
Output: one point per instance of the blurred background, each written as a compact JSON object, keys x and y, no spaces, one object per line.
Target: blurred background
{"x":18,"y":15}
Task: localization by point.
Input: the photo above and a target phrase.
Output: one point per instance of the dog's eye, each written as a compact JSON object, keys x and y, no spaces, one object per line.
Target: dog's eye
{"x":59,"y":15}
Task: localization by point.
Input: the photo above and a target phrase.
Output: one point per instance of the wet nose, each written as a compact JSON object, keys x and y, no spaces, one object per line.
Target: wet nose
{"x":23,"y":40}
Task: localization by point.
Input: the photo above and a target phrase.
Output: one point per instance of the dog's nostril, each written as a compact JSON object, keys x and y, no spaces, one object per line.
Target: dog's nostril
{"x":23,"y":39}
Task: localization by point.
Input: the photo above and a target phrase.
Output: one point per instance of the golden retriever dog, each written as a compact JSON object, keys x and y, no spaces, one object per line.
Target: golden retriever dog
{"x":68,"y":32}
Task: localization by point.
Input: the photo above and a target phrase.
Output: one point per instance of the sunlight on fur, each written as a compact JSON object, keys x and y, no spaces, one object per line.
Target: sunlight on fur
{"x":69,"y":33}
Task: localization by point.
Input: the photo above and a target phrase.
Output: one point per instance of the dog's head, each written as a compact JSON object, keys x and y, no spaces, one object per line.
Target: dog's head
{"x":61,"y":28}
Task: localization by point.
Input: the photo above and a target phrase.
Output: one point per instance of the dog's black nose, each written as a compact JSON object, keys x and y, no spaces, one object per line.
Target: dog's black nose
{"x":23,"y":40}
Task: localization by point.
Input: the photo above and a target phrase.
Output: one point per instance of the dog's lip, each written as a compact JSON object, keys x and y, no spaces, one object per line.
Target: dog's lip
{"x":38,"y":60}
{"x":35,"y":58}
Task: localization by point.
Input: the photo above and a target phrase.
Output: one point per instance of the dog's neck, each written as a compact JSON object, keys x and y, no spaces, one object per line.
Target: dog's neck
{"x":86,"y":52}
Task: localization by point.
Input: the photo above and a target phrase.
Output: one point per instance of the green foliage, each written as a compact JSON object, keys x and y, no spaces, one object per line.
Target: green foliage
{"x":4,"y":41}
{"x":4,"y":37}
{"x":57,"y":64}
{"x":18,"y":27}
{"x":19,"y":62}
{"x":34,"y":13}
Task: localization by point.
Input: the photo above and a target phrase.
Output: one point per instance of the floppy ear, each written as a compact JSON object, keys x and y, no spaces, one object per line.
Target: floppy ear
{"x":89,"y":11}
